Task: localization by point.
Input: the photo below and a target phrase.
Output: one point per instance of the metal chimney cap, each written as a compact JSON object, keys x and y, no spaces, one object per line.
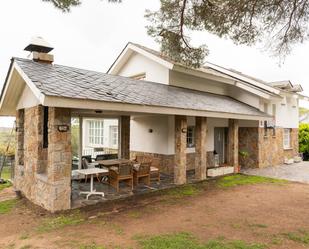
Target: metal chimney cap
{"x":38,"y":44}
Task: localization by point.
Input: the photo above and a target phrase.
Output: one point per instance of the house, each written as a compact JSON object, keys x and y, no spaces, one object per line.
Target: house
{"x":191,"y":119}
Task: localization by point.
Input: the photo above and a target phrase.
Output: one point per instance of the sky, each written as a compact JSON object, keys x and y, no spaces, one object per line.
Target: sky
{"x":92,"y":35}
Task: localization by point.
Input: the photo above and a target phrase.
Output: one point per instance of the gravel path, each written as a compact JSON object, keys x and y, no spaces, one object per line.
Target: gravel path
{"x":298,"y":172}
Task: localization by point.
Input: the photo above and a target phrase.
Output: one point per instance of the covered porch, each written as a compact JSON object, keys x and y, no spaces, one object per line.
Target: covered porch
{"x":189,"y":152}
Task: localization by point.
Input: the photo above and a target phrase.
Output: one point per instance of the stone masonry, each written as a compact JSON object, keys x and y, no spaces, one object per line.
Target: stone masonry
{"x":233,"y":144}
{"x":200,"y":148}
{"x":265,"y":148}
{"x":180,"y":149}
{"x":44,"y":174}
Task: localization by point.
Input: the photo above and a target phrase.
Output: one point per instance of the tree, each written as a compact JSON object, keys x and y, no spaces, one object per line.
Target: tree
{"x":303,"y":137}
{"x":278,"y":24}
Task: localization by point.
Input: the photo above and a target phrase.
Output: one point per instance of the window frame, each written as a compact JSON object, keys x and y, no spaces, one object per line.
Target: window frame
{"x":96,"y":132}
{"x":113,"y":130}
{"x":190,"y":139}
{"x":286,"y":138}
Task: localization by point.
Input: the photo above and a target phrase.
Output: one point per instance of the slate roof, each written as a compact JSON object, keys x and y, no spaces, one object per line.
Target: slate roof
{"x":69,"y":82}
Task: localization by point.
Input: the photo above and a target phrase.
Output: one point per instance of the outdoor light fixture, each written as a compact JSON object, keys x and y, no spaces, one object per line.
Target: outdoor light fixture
{"x":183,"y":130}
{"x":150,"y":130}
{"x":98,"y":111}
{"x":63,"y":128}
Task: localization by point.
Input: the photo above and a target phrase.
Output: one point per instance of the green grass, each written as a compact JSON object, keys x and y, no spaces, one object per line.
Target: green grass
{"x":61,"y":221}
{"x":301,"y":236}
{"x":7,"y":206}
{"x":91,"y":246}
{"x":5,"y":185}
{"x":6,"y":173}
{"x":258,"y":225}
{"x":187,"y":241}
{"x":238,"y":180}
{"x":183,"y":191}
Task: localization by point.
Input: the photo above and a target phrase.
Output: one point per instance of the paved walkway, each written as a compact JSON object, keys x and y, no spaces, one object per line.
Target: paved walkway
{"x":298,"y":172}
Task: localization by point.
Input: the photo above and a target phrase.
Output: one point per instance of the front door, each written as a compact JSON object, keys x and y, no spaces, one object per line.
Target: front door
{"x":219,"y":139}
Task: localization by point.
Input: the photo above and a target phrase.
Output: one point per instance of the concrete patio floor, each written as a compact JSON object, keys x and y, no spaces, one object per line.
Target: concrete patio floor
{"x":298,"y":172}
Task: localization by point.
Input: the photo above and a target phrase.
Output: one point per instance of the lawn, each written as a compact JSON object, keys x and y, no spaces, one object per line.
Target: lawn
{"x":6,"y":173}
{"x":231,"y":212}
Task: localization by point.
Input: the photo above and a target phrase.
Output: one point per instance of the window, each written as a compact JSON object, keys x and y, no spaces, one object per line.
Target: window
{"x":190,"y":137}
{"x":96,"y":132}
{"x":113,"y":135}
{"x":45,"y":127}
{"x":286,"y":138}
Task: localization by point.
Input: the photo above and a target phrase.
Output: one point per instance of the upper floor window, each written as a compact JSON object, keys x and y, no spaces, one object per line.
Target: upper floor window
{"x":96,"y":132}
{"x":113,"y":135}
{"x":286,"y":138}
{"x":190,"y":137}
{"x":140,"y":76}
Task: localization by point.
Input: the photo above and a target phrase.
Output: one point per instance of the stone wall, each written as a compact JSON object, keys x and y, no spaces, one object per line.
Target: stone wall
{"x":248,"y":142}
{"x":167,"y":161}
{"x":265,"y":149}
{"x":44,"y":177}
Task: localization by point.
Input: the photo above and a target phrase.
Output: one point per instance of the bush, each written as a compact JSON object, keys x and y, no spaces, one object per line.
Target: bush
{"x":304,"y":140}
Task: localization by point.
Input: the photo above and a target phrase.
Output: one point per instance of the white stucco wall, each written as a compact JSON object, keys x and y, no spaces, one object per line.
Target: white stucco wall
{"x":157,"y":141}
{"x":138,"y":64}
{"x":244,"y":96}
{"x":27,"y":99}
{"x":287,"y":113}
{"x":197,"y":83}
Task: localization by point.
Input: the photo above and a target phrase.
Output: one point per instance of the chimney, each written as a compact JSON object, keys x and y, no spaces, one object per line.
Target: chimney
{"x":40,"y":50}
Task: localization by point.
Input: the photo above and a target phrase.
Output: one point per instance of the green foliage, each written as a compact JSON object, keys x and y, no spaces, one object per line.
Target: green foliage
{"x":5,"y":185}
{"x":187,"y":241}
{"x":60,"y":222}
{"x":7,"y":206}
{"x":237,"y":180}
{"x":303,"y":111}
{"x":5,"y":136}
{"x":75,"y":138}
{"x":303,"y":138}
{"x":6,"y":174}
{"x":244,"y":154}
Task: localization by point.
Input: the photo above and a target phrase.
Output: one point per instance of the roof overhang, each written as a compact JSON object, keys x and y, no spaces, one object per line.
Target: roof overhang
{"x":15,"y":83}
{"x":145,"y":109}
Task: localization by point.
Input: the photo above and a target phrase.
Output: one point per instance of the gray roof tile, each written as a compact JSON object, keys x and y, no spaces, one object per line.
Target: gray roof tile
{"x":57,"y":80}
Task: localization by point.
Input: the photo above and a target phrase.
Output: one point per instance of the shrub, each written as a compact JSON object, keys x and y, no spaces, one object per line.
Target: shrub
{"x":304,"y":140}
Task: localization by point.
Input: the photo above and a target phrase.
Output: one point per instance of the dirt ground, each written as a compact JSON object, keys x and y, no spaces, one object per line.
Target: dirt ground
{"x":259,"y":213}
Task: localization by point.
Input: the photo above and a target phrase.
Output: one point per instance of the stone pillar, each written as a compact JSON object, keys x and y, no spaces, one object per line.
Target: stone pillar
{"x":200,"y":148}
{"x":59,"y":159}
{"x":125,"y":137}
{"x":180,"y":149}
{"x":233,"y":144}
{"x":19,"y":153}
